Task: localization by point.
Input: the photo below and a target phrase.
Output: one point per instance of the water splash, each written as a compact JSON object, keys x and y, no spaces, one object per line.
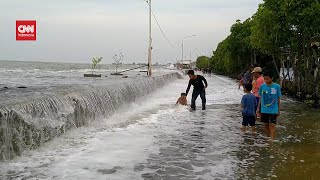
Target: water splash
{"x":28,"y":125}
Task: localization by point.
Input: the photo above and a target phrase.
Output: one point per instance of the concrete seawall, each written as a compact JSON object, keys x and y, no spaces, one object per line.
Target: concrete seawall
{"x":28,"y":125}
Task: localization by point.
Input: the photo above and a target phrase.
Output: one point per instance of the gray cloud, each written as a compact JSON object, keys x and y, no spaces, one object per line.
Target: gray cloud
{"x":75,"y":30}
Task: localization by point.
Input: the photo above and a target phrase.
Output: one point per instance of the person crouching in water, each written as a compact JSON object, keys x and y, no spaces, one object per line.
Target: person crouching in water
{"x":269,"y":104}
{"x":248,"y":104}
{"x":198,"y":89}
{"x":182,"y":100}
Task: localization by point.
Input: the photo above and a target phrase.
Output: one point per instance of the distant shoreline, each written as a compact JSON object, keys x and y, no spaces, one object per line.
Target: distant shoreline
{"x":58,"y":62}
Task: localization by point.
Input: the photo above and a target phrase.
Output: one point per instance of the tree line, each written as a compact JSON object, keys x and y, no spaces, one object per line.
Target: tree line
{"x":282,"y":36}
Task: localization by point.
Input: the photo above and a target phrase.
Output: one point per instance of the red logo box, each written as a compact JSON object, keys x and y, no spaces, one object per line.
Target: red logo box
{"x":26,"y":30}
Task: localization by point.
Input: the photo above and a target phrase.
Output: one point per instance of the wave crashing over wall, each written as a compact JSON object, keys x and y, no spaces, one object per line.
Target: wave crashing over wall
{"x":28,"y":125}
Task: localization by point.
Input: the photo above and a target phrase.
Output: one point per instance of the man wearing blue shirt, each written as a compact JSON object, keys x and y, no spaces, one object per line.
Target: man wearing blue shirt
{"x":270,"y":104}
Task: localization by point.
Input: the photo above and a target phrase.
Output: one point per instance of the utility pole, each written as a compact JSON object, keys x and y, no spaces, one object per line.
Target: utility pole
{"x":150,"y":42}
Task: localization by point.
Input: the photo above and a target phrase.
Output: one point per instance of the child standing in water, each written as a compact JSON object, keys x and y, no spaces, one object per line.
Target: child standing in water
{"x":269,"y":104}
{"x":182,"y":100}
{"x":248,"y":104}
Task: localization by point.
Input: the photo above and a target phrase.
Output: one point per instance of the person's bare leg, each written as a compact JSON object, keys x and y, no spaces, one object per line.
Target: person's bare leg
{"x":244,"y":129}
{"x":272,"y":130}
{"x":258,"y":118}
{"x":253,"y":128}
{"x":267,"y":129}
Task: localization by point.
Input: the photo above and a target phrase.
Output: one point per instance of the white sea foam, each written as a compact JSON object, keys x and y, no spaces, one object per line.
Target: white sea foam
{"x":151,"y":135}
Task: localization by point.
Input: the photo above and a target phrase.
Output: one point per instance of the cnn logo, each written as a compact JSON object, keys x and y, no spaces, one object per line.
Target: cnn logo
{"x":26,"y":30}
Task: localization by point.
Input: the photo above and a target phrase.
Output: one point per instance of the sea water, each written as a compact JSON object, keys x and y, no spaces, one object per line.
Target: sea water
{"x":152,"y":138}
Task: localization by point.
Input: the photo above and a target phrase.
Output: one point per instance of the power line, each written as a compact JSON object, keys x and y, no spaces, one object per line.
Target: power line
{"x":165,"y":36}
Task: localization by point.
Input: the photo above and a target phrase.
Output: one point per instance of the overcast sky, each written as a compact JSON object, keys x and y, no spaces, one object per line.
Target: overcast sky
{"x":76,"y":30}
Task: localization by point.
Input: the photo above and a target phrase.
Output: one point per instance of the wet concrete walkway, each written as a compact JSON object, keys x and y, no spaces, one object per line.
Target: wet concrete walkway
{"x":154,"y":139}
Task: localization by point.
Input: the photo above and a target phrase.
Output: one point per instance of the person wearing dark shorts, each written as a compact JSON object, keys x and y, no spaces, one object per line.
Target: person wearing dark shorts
{"x":248,"y":104}
{"x":269,"y":105}
{"x":198,"y":89}
{"x":269,"y":118}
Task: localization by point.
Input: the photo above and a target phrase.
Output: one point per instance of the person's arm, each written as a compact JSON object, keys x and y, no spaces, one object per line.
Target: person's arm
{"x":241,"y":83}
{"x":259,"y":104}
{"x":259,"y":108}
{"x":188,"y":88}
{"x":279,"y":100}
{"x":205,"y":82}
{"x":279,"y":106}
{"x":242,"y":102}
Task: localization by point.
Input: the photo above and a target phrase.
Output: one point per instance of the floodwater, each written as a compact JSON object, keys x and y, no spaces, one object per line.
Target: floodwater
{"x":154,"y":139}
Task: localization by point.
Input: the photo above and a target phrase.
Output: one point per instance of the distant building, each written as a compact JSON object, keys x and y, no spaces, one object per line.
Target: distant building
{"x":185,"y":64}
{"x":194,"y":65}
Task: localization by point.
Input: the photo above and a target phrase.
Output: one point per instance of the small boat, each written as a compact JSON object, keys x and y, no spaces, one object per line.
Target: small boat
{"x":92,"y":75}
{"x":116,"y":74}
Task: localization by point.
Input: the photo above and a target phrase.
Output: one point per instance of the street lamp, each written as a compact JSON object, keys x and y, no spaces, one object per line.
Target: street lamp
{"x":183,"y":43}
